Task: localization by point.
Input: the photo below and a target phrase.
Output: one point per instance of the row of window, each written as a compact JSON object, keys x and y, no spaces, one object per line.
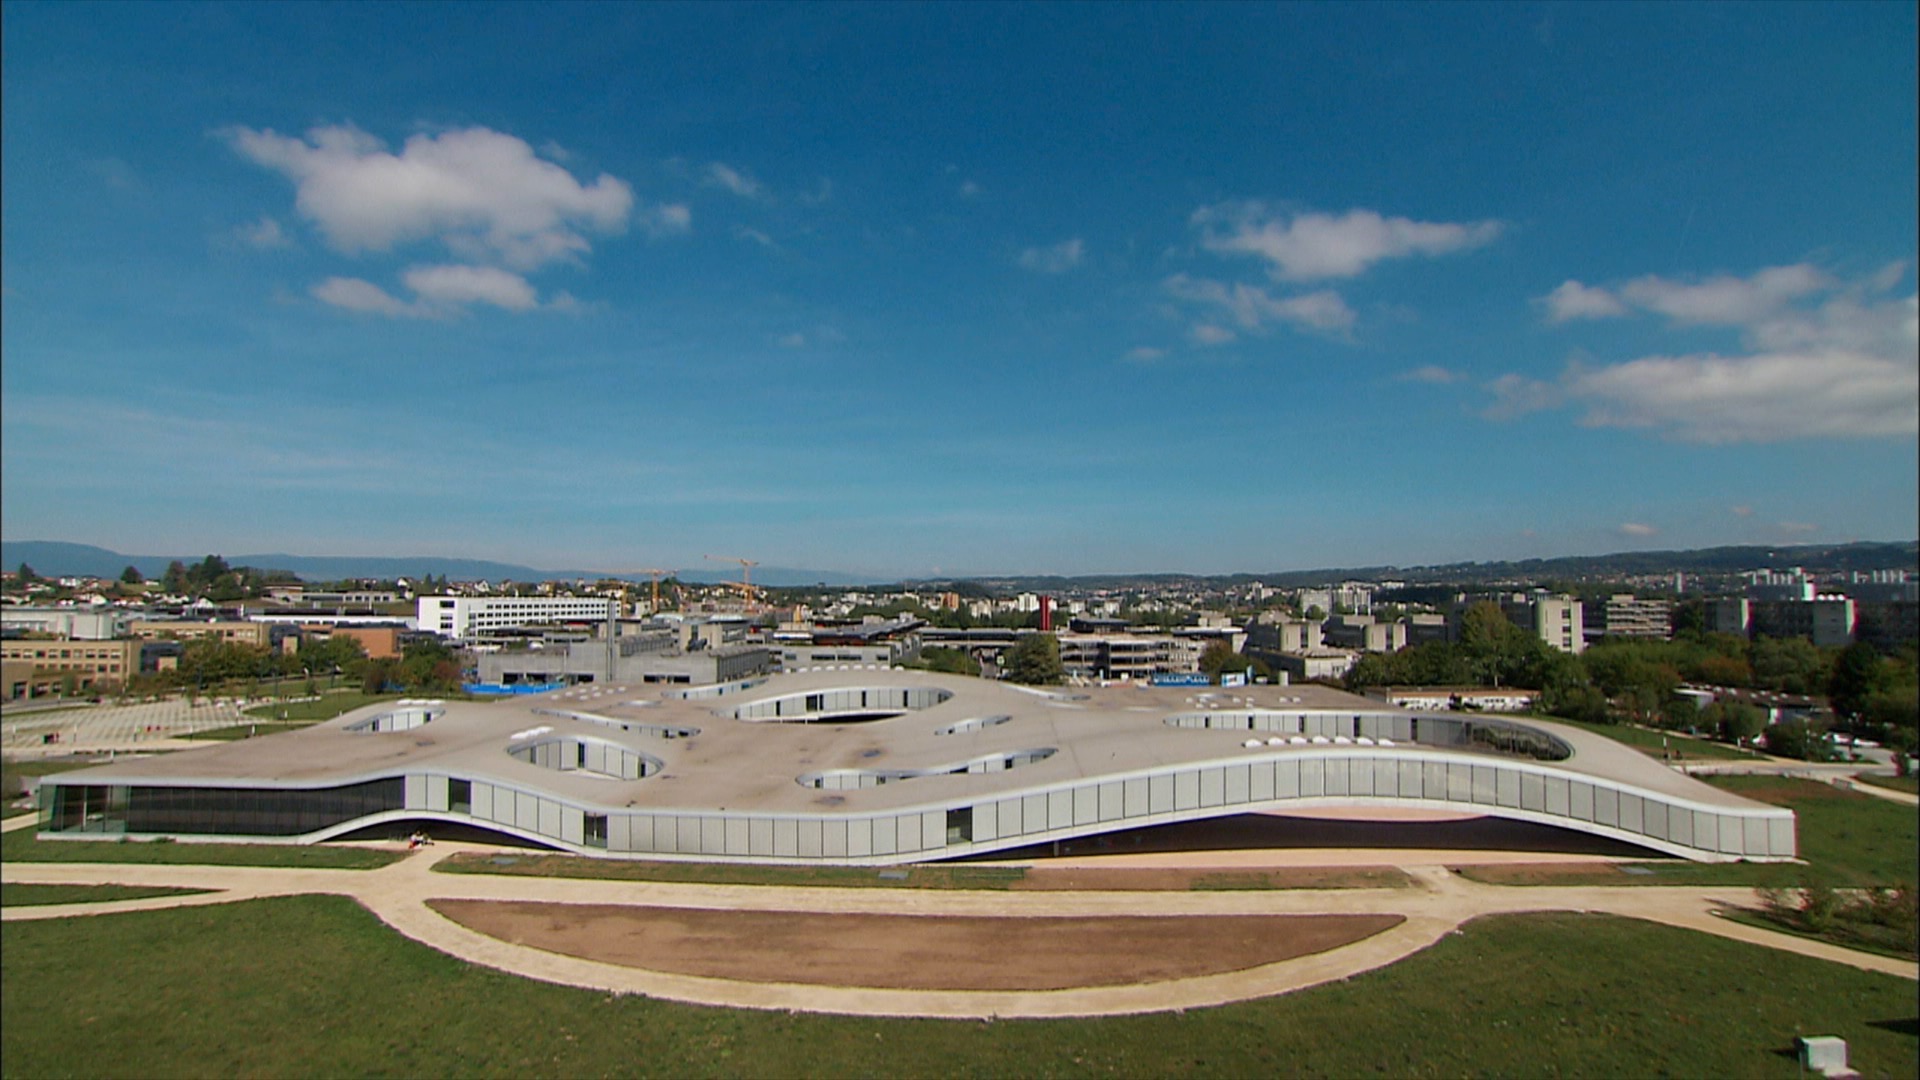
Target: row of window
{"x":218,"y":811}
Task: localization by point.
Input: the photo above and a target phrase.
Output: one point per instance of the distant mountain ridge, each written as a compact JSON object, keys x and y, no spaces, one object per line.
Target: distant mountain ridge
{"x":54,"y":558}
{"x":62,"y":559}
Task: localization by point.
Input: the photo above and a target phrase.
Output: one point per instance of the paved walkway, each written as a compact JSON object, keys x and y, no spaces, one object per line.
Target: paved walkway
{"x":1439,"y":902}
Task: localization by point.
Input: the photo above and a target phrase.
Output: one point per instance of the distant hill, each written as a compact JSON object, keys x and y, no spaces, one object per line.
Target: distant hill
{"x":55,"y":558}
{"x":59,"y":559}
{"x":1816,"y":558}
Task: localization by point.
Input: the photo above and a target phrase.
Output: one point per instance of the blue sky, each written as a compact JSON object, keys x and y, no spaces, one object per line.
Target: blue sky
{"x":903,"y":290}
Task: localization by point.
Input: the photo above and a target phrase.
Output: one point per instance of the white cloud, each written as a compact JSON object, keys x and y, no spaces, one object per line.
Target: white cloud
{"x":265,"y":235}
{"x":754,"y":235}
{"x":1253,"y":308}
{"x":724,"y":176}
{"x":1846,"y":366}
{"x":1517,"y":395}
{"x":1573,"y":300}
{"x":814,"y":337}
{"x":1637,"y":529}
{"x":1761,"y":398}
{"x":1317,"y":246}
{"x":440,"y":291}
{"x":1431,"y":373}
{"x":1798,"y":527}
{"x":666,"y":219}
{"x":1145,"y":354}
{"x":1058,"y":259}
{"x":969,"y":189}
{"x":471,"y":285}
{"x":1211,"y":334}
{"x":1724,"y":299}
{"x":115,"y":173}
{"x":355,"y":294}
{"x":481,"y":192}
{"x":1742,"y":510}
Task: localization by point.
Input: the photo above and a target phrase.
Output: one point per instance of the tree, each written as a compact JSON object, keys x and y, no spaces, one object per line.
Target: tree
{"x":1791,"y":665}
{"x":1733,"y":721}
{"x":1219,"y":658}
{"x":951,"y":661}
{"x":1857,"y":674}
{"x":210,"y":570}
{"x":174,"y":581}
{"x":1796,"y":738}
{"x":132,"y":576}
{"x":27,"y":576}
{"x":1035,"y":660}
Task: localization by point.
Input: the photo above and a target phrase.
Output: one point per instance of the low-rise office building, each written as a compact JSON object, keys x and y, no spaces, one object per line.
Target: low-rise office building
{"x":1625,"y":615}
{"x":1128,"y":656}
{"x":231,"y":632}
{"x":95,"y":623}
{"x":879,"y":767}
{"x":40,"y":666}
{"x":464,"y":617}
{"x":1457,"y":698}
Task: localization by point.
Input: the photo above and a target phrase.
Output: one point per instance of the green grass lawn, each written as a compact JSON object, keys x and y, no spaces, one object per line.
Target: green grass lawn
{"x":1649,"y":742}
{"x":21,"y":846}
{"x":326,"y":707}
{"x":1850,"y":839}
{"x":316,"y":986}
{"x":1908,"y":784}
{"x":249,"y":730}
{"x":22,"y":895}
{"x":11,"y":771}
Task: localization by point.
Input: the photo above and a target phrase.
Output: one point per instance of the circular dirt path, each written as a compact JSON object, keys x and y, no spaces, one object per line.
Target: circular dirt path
{"x":913,"y":952}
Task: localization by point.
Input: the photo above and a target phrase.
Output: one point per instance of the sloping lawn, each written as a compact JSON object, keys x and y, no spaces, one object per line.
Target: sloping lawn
{"x":1846,"y":838}
{"x":1653,"y":743}
{"x":316,"y":986}
{"x":22,"y":895}
{"x":20,"y":846}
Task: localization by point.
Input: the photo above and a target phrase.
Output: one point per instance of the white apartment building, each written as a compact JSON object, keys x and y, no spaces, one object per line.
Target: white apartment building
{"x":78,"y":623}
{"x":464,"y":617}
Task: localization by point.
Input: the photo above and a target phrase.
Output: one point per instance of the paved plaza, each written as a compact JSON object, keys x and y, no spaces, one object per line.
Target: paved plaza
{"x":24,"y":732}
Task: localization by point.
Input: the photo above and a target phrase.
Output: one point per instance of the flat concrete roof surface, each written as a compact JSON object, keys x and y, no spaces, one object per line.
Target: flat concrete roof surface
{"x":745,"y":765}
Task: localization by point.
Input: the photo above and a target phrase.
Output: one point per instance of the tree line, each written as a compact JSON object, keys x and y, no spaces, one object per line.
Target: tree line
{"x":1634,"y":680}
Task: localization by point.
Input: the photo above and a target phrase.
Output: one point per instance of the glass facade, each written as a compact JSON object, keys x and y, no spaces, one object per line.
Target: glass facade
{"x":217,"y":811}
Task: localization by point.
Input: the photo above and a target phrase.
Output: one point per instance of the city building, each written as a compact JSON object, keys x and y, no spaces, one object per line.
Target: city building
{"x":37,"y":667}
{"x":77,"y":623}
{"x":1882,"y":587}
{"x":230,"y":632}
{"x":1456,"y":698}
{"x":882,"y":642}
{"x":1779,"y":585}
{"x":380,"y":642}
{"x":1560,"y":621}
{"x":1625,"y":615}
{"x":1323,"y":664}
{"x":875,"y":767}
{"x":1129,"y":656}
{"x":464,"y":617}
{"x":1827,"y":621}
{"x":1730,"y":615}
{"x":1363,"y":633}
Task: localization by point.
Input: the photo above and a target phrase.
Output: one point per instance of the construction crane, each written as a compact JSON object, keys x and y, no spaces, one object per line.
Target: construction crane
{"x":746,"y":576}
{"x":655,"y":575}
{"x":749,"y":593}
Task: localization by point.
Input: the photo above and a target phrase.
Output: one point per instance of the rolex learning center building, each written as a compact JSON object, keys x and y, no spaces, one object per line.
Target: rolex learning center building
{"x":871,"y":766}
